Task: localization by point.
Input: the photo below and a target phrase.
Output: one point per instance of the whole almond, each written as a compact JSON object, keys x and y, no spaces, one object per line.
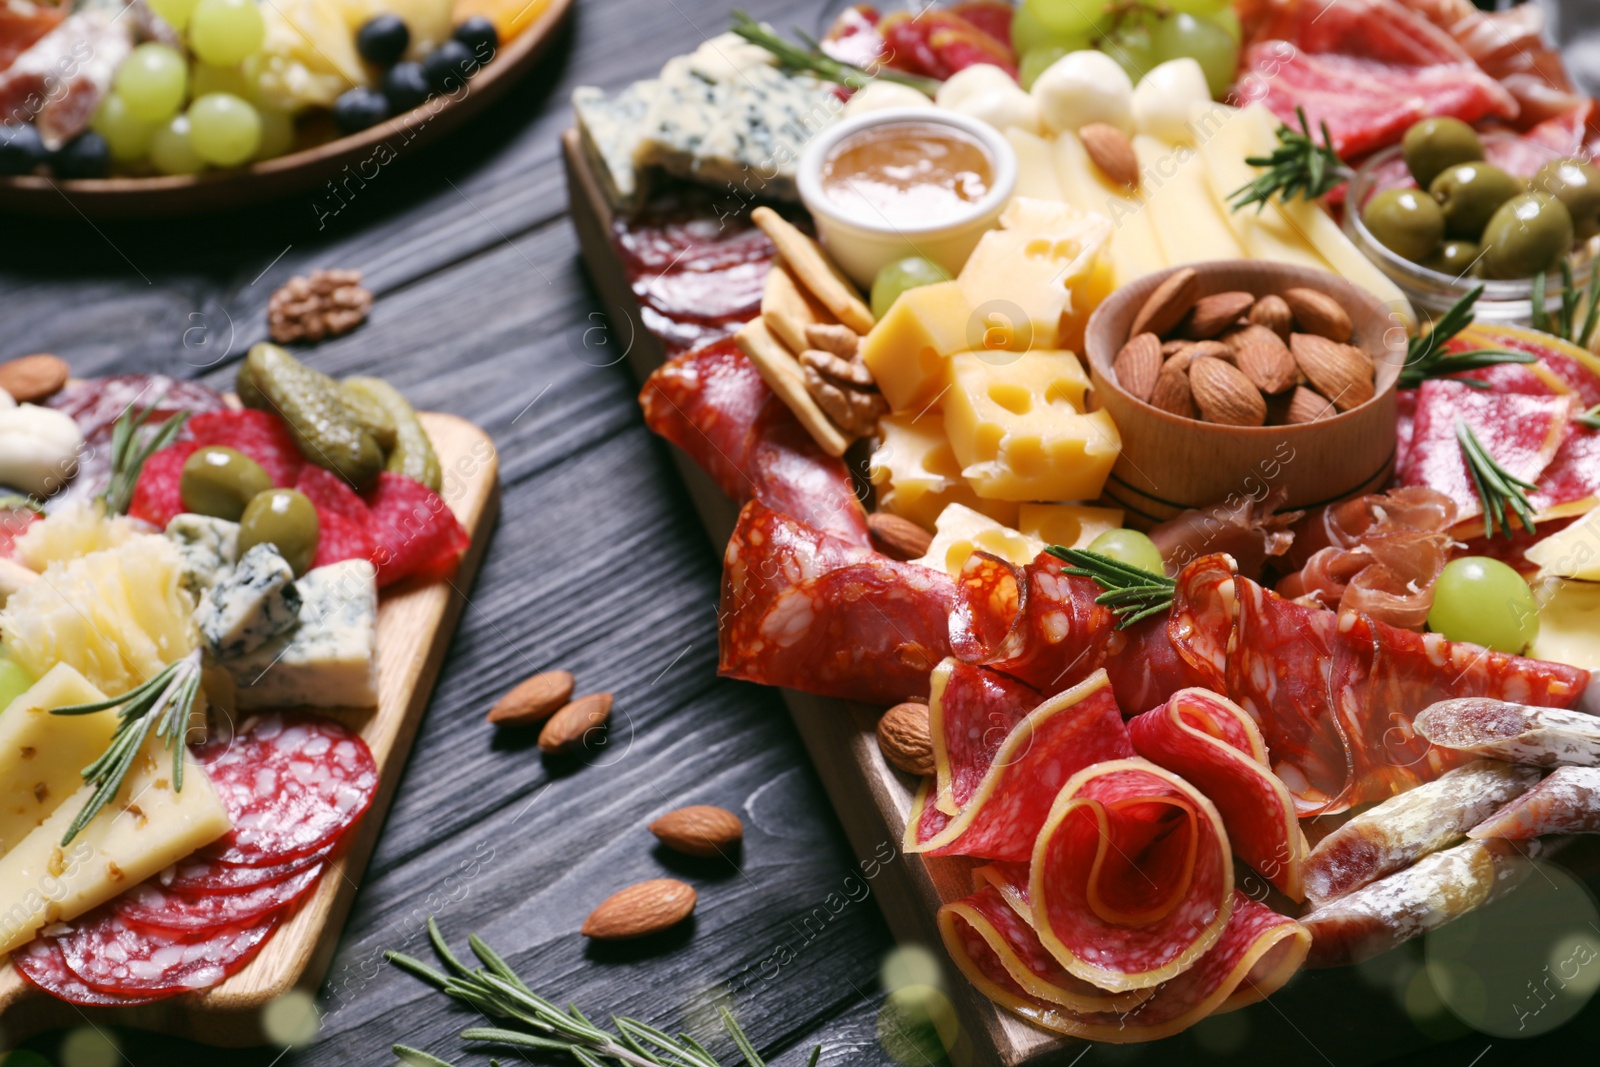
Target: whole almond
{"x":1273,"y":312}
{"x":1214,"y":349}
{"x":906,"y":739}
{"x":1318,"y":313}
{"x":641,"y":910}
{"x":1215,"y":313}
{"x":700,"y":830}
{"x":533,"y":699}
{"x":1307,"y":405}
{"x":896,"y":537}
{"x":1137,"y":365}
{"x":1224,"y":395}
{"x":1173,"y":347}
{"x":1166,"y":306}
{"x":568,"y":727}
{"x":30,"y":379}
{"x":1111,"y":151}
{"x":1342,"y":373}
{"x":1172,"y":393}
{"x":1264,"y":359}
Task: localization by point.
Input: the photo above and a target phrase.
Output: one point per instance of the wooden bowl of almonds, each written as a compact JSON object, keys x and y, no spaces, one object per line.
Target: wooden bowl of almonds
{"x":1234,"y":378}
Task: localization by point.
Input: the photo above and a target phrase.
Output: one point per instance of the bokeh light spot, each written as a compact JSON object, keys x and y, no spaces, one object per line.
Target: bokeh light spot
{"x":291,"y":1019}
{"x":1223,"y":1034}
{"x":917,"y":1025}
{"x":88,"y":1047}
{"x":909,"y":965}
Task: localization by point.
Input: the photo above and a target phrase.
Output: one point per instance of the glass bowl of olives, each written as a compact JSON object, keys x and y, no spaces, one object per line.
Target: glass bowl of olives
{"x":1450,"y":209}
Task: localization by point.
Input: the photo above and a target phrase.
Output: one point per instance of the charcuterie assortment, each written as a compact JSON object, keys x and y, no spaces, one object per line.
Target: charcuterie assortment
{"x":1182,"y":418}
{"x":190,"y":653}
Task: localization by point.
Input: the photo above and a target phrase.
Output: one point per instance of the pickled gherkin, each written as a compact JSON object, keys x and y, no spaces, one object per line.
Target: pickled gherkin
{"x":372,"y":417}
{"x":412,"y":454}
{"x":312,"y":404}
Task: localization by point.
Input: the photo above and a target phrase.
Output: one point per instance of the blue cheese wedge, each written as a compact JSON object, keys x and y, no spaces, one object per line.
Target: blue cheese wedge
{"x":610,"y":131}
{"x":254,"y":603}
{"x":330,"y":658}
{"x":209,"y":547}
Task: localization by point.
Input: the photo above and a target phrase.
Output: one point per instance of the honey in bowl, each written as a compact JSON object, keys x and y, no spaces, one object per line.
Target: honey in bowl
{"x":907,"y":173}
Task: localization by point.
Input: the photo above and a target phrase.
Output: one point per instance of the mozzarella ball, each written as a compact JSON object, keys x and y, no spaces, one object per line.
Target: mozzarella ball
{"x":1084,"y":87}
{"x":1003,"y":109}
{"x":882,"y":95}
{"x":972,"y":81}
{"x":1166,"y":98}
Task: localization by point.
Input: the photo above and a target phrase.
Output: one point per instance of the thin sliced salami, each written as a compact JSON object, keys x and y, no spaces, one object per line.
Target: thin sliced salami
{"x":149,"y":906}
{"x":43,"y":965}
{"x":116,"y":957}
{"x":291,"y":784}
{"x":202,"y":876}
{"x":1567,"y":802}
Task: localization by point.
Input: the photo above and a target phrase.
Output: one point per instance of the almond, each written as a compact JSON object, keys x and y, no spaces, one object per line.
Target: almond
{"x":1168,"y":304}
{"x":700,"y":830}
{"x":1342,"y":373}
{"x":1137,"y":365}
{"x":1215,"y":313}
{"x":641,"y":910}
{"x":1224,"y":395}
{"x":1172,"y":393}
{"x":30,"y":379}
{"x":1318,"y":313}
{"x":1172,"y":348}
{"x":1273,"y":313}
{"x":1214,"y":349}
{"x":1264,"y":359}
{"x":898,"y":538}
{"x":906,"y":739}
{"x":569,"y":728}
{"x":533,"y":699}
{"x":1111,"y":151}
{"x":1307,"y":405}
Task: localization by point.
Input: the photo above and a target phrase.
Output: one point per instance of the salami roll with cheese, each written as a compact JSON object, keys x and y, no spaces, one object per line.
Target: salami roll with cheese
{"x":1567,"y":802}
{"x":1516,"y":733}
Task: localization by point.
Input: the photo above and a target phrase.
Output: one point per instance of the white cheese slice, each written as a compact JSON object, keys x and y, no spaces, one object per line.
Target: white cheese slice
{"x":1134,"y":249}
{"x":1572,"y":553}
{"x":42,"y":756}
{"x":1177,"y":193}
{"x":330,"y":658}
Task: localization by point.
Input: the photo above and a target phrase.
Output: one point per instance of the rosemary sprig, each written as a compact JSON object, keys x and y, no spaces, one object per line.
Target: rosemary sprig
{"x":1299,"y":166}
{"x":811,"y":57}
{"x":1498,"y":489}
{"x":496,"y":991}
{"x":1426,"y":356}
{"x":1567,"y":325}
{"x":1130,"y":592}
{"x":128,"y":453}
{"x":1590,"y":419}
{"x":162,"y":704}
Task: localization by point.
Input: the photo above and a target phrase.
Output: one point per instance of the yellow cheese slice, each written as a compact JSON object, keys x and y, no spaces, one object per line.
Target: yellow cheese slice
{"x":1572,"y":553}
{"x":1569,"y":623}
{"x":907,"y":350}
{"x":1036,"y":171}
{"x":145,"y":828}
{"x":917,"y":475}
{"x":961,"y":531}
{"x":1264,"y":234}
{"x":1134,"y":250}
{"x":1067,"y":525}
{"x":1177,"y":193}
{"x":42,"y":756}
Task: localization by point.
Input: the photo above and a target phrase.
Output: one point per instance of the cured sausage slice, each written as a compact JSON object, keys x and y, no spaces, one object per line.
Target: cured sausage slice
{"x":1516,"y":733}
{"x":1004,"y":768}
{"x":1567,"y":802}
{"x":1402,"y":829}
{"x":43,"y":965}
{"x":1131,"y":880}
{"x":116,"y":957}
{"x":201,"y":876}
{"x":149,"y":905}
{"x":805,"y":609}
{"x":1211,"y":742}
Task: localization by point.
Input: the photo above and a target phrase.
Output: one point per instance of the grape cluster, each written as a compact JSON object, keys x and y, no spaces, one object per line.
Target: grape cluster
{"x":1139,"y":35}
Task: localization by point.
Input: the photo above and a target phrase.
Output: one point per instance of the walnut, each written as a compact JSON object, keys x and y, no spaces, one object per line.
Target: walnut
{"x":855,"y":411}
{"x":326,"y":304}
{"x":842,"y":341}
{"x":846,"y":373}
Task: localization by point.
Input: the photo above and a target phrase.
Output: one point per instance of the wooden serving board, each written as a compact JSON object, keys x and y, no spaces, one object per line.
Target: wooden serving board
{"x":415,"y":625}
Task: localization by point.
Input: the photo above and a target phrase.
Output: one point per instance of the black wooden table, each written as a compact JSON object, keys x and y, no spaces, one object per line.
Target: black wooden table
{"x":598,"y":566}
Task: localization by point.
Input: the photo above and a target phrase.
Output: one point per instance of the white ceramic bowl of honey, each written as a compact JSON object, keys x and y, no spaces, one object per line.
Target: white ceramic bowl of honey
{"x":902,"y":182}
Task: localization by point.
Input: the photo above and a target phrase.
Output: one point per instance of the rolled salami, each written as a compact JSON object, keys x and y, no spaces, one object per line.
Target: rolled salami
{"x":1567,"y":802}
{"x":1516,"y":733}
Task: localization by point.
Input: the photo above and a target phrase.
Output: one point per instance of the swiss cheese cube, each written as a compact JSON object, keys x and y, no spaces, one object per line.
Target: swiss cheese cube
{"x":42,"y":756}
{"x":907,"y":350}
{"x":917,"y":475}
{"x":1067,"y":525}
{"x":961,"y":531}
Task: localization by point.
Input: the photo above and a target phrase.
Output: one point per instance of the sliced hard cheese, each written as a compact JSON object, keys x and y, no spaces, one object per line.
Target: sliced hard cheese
{"x":1177,"y":194}
{"x":1569,"y":623}
{"x":961,"y":531}
{"x":1036,"y":170}
{"x":1572,"y":553}
{"x":907,"y":351}
{"x":144,"y":829}
{"x":329,"y":660}
{"x":1134,"y":250}
{"x":1067,"y":525}
{"x":42,"y":756}
{"x":917,"y":475}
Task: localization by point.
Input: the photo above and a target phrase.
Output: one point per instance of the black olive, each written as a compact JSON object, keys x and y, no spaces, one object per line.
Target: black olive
{"x":479,"y":35}
{"x":21,"y":149}
{"x":449,"y":66}
{"x":405,"y":86}
{"x":85,"y":156}
{"x":358,"y":108}
{"x":382,"y":39}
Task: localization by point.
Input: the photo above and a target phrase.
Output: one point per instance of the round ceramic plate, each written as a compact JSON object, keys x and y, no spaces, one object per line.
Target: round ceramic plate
{"x":297,"y":171}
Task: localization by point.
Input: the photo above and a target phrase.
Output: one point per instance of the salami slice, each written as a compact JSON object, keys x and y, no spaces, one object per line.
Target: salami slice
{"x":115,"y":957}
{"x":1401,"y":830}
{"x":713,"y":404}
{"x":148,"y":905}
{"x":291,"y":784}
{"x":414,"y":530}
{"x":1131,"y":880}
{"x":805,"y":609}
{"x":1004,"y":768}
{"x":261,"y":435}
{"x":1211,"y":742}
{"x":200,"y":876}
{"x":343,"y":519}
{"x":43,"y":965}
{"x":1567,"y":802}
{"x":1516,"y":733}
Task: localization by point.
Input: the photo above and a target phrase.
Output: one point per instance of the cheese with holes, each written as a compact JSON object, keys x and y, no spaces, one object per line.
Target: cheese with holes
{"x":1569,"y":623}
{"x":145,"y":828}
{"x":42,"y":756}
{"x":917,"y":475}
{"x":1067,"y":525}
{"x":907,"y":351}
{"x":961,"y":531}
{"x":1571,"y":553}
{"x":329,"y":659}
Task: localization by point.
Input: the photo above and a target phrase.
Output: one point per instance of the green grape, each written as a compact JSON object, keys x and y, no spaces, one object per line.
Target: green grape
{"x":1133,"y":50}
{"x":1036,"y":60}
{"x":903,"y":274}
{"x":152,"y":81}
{"x":174,"y":12}
{"x":171,"y":151}
{"x":1228,"y":19}
{"x":14,"y":681}
{"x":1130,"y":547}
{"x":1075,"y":18}
{"x":277,"y":134}
{"x":1483,"y":601}
{"x":223,"y":32}
{"x":1198,"y":7}
{"x":1178,"y":36}
{"x":208,"y":79}
{"x":127,"y":136}
{"x":224,"y":129}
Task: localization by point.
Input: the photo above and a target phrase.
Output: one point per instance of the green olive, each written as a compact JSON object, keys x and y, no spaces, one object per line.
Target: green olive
{"x":1577,"y":185}
{"x":1405,"y":221}
{"x":1469,"y":194}
{"x":1527,"y":236}
{"x":1455,"y":258}
{"x":1434,"y":144}
{"x":285,"y":519}
{"x":220,"y":481}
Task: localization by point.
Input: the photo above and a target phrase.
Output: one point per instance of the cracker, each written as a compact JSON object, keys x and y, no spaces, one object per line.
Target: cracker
{"x":814,"y":269}
{"x":788,"y":309}
{"x":783,"y":376}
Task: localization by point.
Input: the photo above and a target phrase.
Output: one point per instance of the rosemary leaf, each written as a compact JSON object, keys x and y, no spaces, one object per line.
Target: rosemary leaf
{"x":1426,"y":356}
{"x":1298,"y":166}
{"x":1132,"y":593}
{"x":407,"y":1054}
{"x":812,"y":58}
{"x":1590,"y":418}
{"x":129,"y":453}
{"x":1498,"y":489}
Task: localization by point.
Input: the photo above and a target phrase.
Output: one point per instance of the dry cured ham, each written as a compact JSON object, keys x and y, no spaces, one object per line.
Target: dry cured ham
{"x":1212,"y":743}
{"x":1254,"y":530}
{"x":1401,"y":830}
{"x":1516,"y":733}
{"x":806,"y":609}
{"x":1566,"y":802}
